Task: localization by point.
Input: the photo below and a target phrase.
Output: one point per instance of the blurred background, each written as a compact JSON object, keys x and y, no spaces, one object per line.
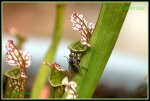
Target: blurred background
{"x":126,"y":73}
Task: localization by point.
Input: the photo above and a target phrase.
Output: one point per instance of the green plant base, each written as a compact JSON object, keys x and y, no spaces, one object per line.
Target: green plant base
{"x":15,"y":84}
{"x":55,"y":79}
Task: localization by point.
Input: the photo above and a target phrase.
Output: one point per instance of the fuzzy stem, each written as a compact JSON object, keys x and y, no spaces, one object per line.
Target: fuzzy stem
{"x":43,"y":73}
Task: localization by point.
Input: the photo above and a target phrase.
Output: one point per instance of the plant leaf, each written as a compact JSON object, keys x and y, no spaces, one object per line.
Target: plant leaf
{"x":43,"y":73}
{"x":14,"y":57}
{"x":103,"y":39}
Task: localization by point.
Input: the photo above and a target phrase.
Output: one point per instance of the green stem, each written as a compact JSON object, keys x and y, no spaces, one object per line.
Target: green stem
{"x":20,"y":41}
{"x":43,"y":73}
{"x":104,"y":37}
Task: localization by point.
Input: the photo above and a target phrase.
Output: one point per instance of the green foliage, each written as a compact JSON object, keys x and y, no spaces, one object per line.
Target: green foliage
{"x":104,"y":37}
{"x":15,"y":84}
{"x":55,"y":79}
{"x":43,"y":73}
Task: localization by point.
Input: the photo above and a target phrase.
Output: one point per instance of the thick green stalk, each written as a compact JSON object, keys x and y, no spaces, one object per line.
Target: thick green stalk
{"x":104,"y":37}
{"x":43,"y":73}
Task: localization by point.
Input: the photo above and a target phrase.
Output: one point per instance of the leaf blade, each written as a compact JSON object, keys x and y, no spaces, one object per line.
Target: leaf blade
{"x":104,"y":37}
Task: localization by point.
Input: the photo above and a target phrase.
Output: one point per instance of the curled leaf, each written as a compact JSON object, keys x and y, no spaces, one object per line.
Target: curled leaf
{"x":55,"y":65}
{"x":56,"y":76}
{"x":80,"y":24}
{"x":14,"y":57}
{"x":12,"y":61}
